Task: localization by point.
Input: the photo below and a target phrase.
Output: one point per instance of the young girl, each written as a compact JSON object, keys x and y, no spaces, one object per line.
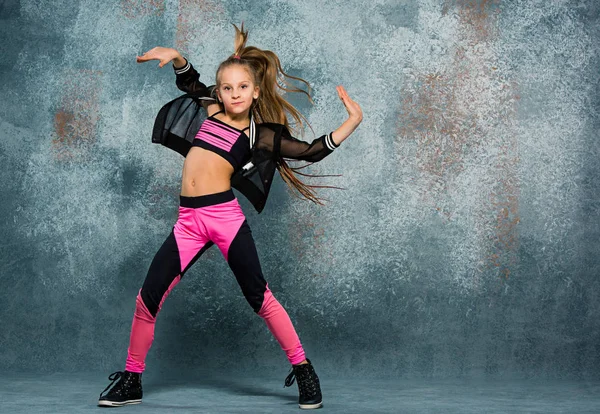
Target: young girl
{"x":243,"y":140}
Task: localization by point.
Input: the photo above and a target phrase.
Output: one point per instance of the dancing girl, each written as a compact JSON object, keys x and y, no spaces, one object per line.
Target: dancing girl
{"x":244,"y":139}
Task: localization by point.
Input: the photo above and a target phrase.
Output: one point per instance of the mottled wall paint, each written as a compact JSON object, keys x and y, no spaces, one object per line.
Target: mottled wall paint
{"x":135,"y":9}
{"x":465,"y":241}
{"x":76,"y":119}
{"x":460,"y":120}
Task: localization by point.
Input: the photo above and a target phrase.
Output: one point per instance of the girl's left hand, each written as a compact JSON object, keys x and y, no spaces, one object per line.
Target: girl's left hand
{"x":354,"y":111}
{"x":355,"y":117}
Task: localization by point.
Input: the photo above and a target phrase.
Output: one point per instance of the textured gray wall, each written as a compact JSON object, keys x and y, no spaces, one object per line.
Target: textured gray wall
{"x":465,"y":244}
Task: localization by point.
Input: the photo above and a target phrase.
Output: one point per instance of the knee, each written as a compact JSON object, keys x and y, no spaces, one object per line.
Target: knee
{"x":256,"y":301}
{"x":153,"y":298}
{"x":255,"y":293}
{"x":268,"y":306}
{"x":150,"y":299}
{"x":141,"y":309}
{"x":257,"y":298}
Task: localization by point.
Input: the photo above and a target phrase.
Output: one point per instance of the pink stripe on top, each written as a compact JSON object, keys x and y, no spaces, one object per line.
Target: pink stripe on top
{"x":223,"y":125}
{"x":214,"y":141}
{"x":209,"y":129}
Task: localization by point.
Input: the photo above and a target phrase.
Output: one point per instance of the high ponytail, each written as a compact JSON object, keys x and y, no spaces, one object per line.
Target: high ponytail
{"x":270,"y":106}
{"x":241,"y":37}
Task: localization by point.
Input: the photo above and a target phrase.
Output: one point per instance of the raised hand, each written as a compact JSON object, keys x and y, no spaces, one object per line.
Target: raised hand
{"x":354,"y":111}
{"x":355,"y":117}
{"x":162,"y":54}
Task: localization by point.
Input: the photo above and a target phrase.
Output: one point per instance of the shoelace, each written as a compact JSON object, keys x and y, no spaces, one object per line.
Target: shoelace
{"x":289,"y":380}
{"x":112,"y":377}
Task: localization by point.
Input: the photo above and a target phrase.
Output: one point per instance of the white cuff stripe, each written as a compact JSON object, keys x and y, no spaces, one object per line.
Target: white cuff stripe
{"x":329,"y":142}
{"x":183,"y":69}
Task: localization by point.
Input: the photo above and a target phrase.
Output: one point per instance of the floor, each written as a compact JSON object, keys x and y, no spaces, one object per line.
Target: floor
{"x":78,"y":393}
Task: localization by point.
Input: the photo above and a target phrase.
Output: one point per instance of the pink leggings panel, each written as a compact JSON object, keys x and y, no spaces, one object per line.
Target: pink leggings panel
{"x":195,"y":227}
{"x":280,"y":325}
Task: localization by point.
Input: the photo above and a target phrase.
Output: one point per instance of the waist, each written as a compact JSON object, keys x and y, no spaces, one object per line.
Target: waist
{"x":206,"y":199}
{"x":205,"y":173}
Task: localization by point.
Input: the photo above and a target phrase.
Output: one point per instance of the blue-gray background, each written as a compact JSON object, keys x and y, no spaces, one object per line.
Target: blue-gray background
{"x":466,"y":242}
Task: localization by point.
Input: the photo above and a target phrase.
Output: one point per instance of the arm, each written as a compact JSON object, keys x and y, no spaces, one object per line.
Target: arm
{"x":321,"y":147}
{"x":187,"y":78}
{"x":296,"y":149}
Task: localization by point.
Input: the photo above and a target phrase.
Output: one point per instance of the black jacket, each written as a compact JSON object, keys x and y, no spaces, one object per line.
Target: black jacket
{"x":178,"y":122}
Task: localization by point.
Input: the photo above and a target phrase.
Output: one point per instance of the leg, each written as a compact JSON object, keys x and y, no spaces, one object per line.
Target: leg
{"x":181,"y":249}
{"x":177,"y":254}
{"x":243,"y":260}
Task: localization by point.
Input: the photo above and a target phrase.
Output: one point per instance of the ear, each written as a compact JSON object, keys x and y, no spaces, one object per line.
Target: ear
{"x":256,"y":92}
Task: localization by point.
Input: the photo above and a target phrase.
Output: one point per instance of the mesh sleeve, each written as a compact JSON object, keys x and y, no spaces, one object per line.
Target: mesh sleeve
{"x":188,"y":80}
{"x":296,"y":149}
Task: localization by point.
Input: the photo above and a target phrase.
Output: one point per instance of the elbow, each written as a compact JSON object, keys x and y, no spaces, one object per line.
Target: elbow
{"x":315,"y":158}
{"x":181,"y":87}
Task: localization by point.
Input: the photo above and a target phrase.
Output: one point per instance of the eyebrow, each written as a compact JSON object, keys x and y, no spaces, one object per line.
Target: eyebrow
{"x":239,"y":83}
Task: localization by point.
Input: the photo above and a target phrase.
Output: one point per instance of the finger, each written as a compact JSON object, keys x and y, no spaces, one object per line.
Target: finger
{"x":147,"y":56}
{"x":349,"y":100}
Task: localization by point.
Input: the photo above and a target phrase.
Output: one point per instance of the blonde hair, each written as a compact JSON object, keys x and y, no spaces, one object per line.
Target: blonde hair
{"x":265,"y":67}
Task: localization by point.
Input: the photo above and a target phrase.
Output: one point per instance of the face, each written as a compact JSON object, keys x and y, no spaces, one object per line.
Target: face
{"x":237,"y":89}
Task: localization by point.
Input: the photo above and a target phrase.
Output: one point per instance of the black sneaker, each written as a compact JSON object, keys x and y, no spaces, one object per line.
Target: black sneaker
{"x":308,"y":386}
{"x":127,"y":391}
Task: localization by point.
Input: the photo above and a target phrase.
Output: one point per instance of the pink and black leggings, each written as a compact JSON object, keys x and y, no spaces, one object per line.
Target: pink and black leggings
{"x":204,"y":221}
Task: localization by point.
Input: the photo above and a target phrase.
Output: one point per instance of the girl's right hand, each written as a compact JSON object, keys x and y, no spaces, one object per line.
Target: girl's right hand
{"x":162,"y":54}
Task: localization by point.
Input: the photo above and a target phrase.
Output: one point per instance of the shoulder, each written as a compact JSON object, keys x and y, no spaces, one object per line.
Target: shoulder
{"x":278,"y":129}
{"x":270,"y":125}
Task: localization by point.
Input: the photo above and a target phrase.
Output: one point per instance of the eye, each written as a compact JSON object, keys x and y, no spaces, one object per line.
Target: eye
{"x":226,"y":88}
{"x":244,"y":86}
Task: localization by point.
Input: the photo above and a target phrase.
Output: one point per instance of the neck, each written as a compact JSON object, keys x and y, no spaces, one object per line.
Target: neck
{"x":244,"y":117}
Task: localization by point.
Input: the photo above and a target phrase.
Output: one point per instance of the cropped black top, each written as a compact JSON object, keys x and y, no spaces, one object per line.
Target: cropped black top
{"x":180,"y":121}
{"x":223,"y":139}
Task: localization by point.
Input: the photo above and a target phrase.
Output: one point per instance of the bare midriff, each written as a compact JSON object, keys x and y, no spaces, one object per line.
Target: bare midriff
{"x":205,"y":172}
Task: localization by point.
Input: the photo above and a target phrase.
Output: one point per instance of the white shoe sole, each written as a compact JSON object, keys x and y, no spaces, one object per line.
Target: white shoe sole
{"x":310,"y":406}
{"x":105,"y":403}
